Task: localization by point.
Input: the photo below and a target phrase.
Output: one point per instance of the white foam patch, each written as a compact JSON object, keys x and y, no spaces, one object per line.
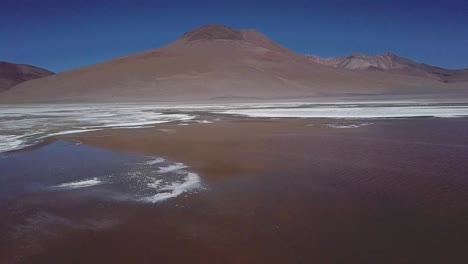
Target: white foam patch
{"x":155,"y":161}
{"x":10,"y":142}
{"x":78,"y":184}
{"x":347,"y":125}
{"x":190,"y":182}
{"x":155,"y":184}
{"x":72,"y":132}
{"x":130,"y":127}
{"x":204,"y":122}
{"x":171,"y":168}
{"x":169,"y":131}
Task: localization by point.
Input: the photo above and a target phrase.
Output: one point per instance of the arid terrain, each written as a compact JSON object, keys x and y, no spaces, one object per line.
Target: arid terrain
{"x":391,"y":63}
{"x":217,"y":63}
{"x":12,"y":74}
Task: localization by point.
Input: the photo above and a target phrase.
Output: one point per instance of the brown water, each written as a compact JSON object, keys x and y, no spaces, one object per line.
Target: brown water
{"x":275,"y":191}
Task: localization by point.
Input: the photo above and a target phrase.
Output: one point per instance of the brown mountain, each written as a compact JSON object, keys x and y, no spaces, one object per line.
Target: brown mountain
{"x":392,"y":63}
{"x":216,"y":62}
{"x":12,"y":74}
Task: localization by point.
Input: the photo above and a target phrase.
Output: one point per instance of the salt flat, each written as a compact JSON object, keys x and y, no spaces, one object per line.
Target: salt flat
{"x":26,"y":125}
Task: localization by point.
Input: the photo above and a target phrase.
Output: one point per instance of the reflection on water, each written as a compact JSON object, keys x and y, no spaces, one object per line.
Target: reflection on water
{"x":95,"y":172}
{"x":390,"y":192}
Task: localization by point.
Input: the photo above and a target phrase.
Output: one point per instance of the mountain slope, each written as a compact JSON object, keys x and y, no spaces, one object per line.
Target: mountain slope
{"x":214,"y":62}
{"x":12,"y":74}
{"x":392,"y":63}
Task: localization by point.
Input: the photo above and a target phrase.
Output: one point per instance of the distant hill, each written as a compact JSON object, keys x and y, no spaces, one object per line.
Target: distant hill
{"x":218,"y":63}
{"x":392,"y":63}
{"x":12,"y":74}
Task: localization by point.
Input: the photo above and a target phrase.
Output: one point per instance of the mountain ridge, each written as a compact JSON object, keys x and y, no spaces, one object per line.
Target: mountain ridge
{"x":213,"y":62}
{"x":12,"y":74}
{"x":392,"y":63}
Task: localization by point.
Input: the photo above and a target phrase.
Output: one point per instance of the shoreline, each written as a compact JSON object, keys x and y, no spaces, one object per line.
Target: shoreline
{"x":28,"y":125}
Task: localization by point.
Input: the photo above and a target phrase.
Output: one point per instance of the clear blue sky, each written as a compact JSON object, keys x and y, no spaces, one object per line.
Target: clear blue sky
{"x":61,"y":35}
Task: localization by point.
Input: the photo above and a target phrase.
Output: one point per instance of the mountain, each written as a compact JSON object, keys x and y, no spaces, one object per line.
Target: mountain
{"x":392,"y":63}
{"x":12,"y":74}
{"x":218,"y":63}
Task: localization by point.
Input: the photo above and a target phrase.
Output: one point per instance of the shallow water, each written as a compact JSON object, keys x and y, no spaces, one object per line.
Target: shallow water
{"x":335,"y":191}
{"x":67,"y":168}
